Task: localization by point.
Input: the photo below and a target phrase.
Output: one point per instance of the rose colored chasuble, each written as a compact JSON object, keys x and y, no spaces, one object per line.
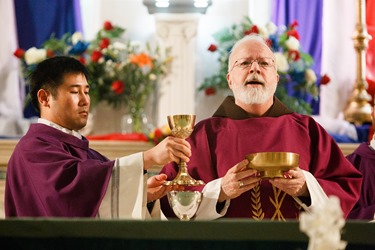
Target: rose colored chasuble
{"x":220,"y":142}
{"x":364,"y":160}
{"x":55,"y":174}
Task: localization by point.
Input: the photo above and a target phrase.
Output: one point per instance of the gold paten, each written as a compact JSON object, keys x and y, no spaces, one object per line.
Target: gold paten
{"x":273,"y":164}
{"x":182,"y":126}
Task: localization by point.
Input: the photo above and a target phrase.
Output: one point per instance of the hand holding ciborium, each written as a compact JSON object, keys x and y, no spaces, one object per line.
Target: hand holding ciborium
{"x":182,"y":126}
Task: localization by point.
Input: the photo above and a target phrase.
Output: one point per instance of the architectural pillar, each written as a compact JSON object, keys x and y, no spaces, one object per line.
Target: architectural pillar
{"x":176,"y":93}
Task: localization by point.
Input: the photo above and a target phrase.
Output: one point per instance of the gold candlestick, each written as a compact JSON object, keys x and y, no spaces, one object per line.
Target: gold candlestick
{"x":358,"y":110}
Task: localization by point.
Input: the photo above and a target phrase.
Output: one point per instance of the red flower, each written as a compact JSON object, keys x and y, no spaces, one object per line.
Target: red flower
{"x":96,"y":55}
{"x":254,"y":29}
{"x":294,"y":54}
{"x":19,"y":53}
{"x":212,"y":48}
{"x":325,"y":80}
{"x":269,"y":42}
{"x":82,"y":60}
{"x":294,"y":24}
{"x":50,"y":53}
{"x":210,"y":91}
{"x":293,"y":33}
{"x":107,"y":25}
{"x":104,"y":43}
{"x":158,"y":133}
{"x":118,"y":87}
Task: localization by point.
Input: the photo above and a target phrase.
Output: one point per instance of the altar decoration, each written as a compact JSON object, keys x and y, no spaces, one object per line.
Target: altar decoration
{"x":123,"y":72}
{"x":298,"y":85}
{"x":159,"y":134}
{"x":323,"y":226}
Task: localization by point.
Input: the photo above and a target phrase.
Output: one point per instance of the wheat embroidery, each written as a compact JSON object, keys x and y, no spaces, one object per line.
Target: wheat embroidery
{"x":256,"y":204}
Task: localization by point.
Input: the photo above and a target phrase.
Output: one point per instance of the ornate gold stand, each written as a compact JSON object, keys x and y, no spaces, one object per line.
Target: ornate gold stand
{"x":358,"y":110}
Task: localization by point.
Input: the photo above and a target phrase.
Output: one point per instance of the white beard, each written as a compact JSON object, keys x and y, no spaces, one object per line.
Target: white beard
{"x":257,"y":95}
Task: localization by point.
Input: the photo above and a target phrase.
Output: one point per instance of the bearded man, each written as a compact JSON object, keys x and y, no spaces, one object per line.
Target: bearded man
{"x":253,"y":121}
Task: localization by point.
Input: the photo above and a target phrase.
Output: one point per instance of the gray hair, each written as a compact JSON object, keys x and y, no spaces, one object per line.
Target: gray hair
{"x":251,"y":37}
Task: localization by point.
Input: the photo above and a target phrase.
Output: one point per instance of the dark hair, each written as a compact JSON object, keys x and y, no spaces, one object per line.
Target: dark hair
{"x":50,"y":73}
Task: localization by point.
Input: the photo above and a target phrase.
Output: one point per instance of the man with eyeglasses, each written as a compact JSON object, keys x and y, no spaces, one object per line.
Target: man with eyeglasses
{"x":252,"y":121}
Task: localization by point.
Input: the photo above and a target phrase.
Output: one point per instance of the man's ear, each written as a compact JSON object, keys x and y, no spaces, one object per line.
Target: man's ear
{"x":43,"y":97}
{"x":229,"y":81}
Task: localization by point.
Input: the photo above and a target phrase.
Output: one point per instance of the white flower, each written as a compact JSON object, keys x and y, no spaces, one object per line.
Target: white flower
{"x":323,"y":225}
{"x":152,"y":77}
{"x":76,"y":37}
{"x":310,"y":76}
{"x":271,"y":27}
{"x":34,"y":55}
{"x":119,"y":46}
{"x":136,"y":45}
{"x":292,"y":43}
{"x":263,"y":31}
{"x":281,"y":62}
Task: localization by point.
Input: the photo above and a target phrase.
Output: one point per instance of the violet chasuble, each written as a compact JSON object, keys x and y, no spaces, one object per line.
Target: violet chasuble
{"x":55,"y":174}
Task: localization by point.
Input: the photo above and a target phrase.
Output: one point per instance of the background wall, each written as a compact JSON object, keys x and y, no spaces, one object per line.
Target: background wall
{"x":140,"y":25}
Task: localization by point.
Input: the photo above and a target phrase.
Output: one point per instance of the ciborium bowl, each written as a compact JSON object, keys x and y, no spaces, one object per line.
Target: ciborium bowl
{"x":184,"y":203}
{"x":273,"y":164}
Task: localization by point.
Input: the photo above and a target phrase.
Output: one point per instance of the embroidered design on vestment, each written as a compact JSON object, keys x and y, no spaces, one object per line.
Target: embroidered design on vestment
{"x":256,"y":204}
{"x":277,"y":202}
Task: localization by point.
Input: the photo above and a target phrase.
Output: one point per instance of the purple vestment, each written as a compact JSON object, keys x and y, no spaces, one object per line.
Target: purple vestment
{"x":54,"y":174}
{"x":220,"y":142}
{"x":363,"y":158}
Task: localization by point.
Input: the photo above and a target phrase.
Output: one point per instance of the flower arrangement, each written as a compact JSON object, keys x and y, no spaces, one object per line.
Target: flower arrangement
{"x":122,"y":71}
{"x":159,"y":134}
{"x":298,"y":82}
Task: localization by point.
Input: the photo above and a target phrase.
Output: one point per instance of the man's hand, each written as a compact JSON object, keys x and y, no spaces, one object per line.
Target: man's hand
{"x":168,"y":150}
{"x":156,"y":189}
{"x":293,"y":184}
{"x":238,"y":180}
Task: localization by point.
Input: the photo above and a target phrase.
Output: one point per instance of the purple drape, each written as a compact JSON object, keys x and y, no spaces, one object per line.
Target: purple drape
{"x":309,"y":17}
{"x":37,"y":19}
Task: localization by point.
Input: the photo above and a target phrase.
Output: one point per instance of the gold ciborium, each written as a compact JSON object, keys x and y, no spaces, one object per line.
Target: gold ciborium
{"x":184,"y":203}
{"x":273,"y":164}
{"x":182,"y":126}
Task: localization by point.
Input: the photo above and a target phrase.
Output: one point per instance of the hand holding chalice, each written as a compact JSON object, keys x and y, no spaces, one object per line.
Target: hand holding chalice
{"x":184,"y":203}
{"x":182,"y":126}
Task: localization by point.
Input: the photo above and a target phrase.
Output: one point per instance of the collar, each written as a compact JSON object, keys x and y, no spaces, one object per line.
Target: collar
{"x":65,"y":130}
{"x":229,"y":109}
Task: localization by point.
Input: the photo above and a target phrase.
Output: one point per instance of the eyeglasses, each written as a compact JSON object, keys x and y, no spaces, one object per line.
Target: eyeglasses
{"x":245,"y":63}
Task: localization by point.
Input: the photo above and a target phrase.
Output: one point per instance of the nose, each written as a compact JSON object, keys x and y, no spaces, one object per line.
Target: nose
{"x":254,"y":67}
{"x":84,"y":99}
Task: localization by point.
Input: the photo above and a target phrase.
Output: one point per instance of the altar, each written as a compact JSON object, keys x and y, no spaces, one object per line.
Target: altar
{"x":125,"y":234}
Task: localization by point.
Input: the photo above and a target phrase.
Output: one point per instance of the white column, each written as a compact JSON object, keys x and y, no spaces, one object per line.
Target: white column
{"x":177,"y":91}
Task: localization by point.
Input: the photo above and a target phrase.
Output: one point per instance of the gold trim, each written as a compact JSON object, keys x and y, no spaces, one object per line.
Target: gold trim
{"x":277,"y":203}
{"x":257,"y":211}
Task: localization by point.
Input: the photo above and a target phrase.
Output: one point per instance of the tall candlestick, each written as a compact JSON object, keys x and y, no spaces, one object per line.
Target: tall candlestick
{"x":358,"y":110}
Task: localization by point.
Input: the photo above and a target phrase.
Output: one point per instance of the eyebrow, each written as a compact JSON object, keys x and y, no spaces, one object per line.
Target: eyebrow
{"x":78,"y":86}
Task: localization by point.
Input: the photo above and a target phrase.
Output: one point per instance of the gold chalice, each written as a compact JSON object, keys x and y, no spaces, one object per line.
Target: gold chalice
{"x":182,"y":126}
